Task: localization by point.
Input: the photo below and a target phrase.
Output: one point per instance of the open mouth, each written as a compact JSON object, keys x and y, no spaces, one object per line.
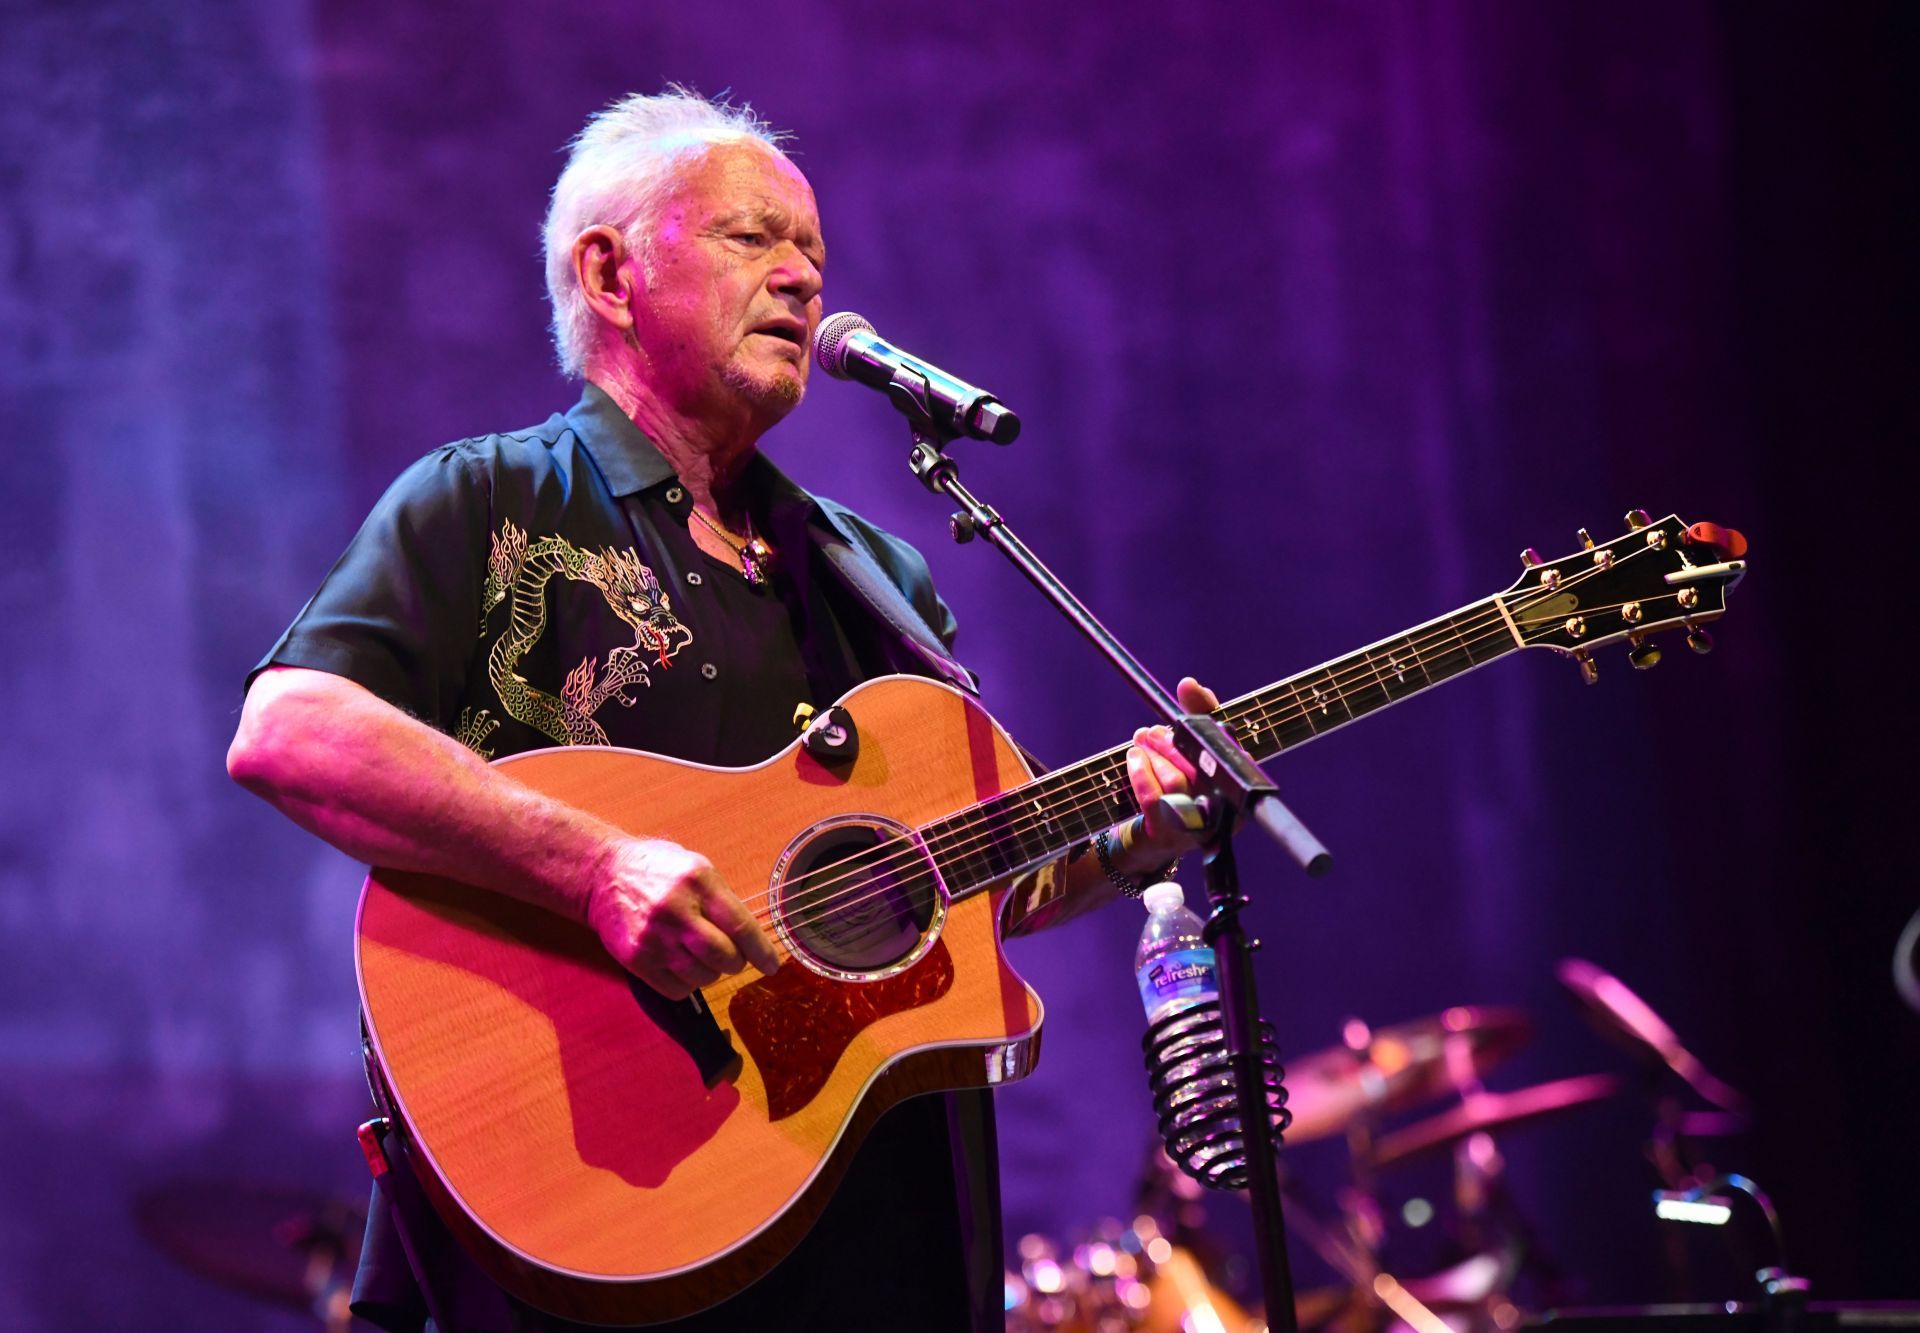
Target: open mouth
{"x":784,"y":332}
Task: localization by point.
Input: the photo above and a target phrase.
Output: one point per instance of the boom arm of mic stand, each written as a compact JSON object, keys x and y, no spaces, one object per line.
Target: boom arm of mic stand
{"x":1224,"y":767}
{"x":1263,"y":805}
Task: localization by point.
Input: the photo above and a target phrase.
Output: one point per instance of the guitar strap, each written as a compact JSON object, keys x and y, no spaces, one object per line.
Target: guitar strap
{"x":863,"y":576}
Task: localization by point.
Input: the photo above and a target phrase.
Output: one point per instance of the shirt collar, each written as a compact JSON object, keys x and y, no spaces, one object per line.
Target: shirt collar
{"x":626,"y":458}
{"x":632,"y":463}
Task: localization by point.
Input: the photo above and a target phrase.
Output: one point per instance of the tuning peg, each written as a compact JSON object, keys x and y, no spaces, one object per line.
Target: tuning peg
{"x":1530,"y":559}
{"x":1586,"y":539}
{"x":1644,"y":653}
{"x":1699,"y":640}
{"x":1638,"y":519}
{"x":1729,"y":543}
{"x":1588,"y":671}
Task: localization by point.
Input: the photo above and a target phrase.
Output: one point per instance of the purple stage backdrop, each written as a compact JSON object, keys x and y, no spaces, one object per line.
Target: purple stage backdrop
{"x":1315,"y":313}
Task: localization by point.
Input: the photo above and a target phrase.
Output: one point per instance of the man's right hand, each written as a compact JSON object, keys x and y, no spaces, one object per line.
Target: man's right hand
{"x":666,"y":916}
{"x":391,"y":791}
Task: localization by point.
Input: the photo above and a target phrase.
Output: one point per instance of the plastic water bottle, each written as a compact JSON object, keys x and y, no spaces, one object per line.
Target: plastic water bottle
{"x":1174,"y":964}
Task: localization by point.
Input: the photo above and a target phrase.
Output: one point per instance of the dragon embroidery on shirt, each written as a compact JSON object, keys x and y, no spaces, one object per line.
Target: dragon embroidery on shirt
{"x":520,"y":570}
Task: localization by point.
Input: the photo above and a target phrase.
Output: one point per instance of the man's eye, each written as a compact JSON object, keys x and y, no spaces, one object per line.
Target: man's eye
{"x":750,"y":237}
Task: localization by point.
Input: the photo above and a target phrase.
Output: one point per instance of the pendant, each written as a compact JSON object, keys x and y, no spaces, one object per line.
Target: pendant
{"x":756,"y":557}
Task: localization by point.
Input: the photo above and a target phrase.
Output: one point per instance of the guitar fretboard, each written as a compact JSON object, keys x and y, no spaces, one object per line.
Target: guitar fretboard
{"x":1032,"y":824}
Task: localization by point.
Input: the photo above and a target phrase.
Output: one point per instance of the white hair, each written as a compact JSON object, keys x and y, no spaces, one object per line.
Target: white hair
{"x":619,"y":169}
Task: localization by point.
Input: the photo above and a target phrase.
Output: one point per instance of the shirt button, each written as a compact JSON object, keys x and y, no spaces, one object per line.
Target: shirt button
{"x":709,"y":670}
{"x":675,"y":495}
{"x":694,"y":578}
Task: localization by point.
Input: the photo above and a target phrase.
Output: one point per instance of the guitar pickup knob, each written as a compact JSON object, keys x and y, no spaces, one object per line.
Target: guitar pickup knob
{"x":1644,"y":654}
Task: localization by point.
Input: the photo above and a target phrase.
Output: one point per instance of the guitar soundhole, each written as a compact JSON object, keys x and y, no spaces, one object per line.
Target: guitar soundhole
{"x":857,"y":898}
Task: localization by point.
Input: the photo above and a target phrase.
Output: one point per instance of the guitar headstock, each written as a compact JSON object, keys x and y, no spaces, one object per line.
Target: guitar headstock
{"x":1656,"y":576}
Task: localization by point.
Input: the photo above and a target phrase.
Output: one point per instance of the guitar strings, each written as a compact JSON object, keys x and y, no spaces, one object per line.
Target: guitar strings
{"x":1097,"y":776}
{"x":1100,"y":771}
{"x":1252,"y":716}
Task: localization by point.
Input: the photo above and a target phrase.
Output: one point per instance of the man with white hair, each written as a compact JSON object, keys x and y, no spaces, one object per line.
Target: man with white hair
{"x":634,"y":572}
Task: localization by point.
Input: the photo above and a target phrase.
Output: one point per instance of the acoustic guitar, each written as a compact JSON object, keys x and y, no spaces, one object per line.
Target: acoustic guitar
{"x":610,"y":1156}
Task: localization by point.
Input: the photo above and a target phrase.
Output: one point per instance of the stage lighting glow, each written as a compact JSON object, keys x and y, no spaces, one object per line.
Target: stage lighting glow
{"x":1712,"y":1212}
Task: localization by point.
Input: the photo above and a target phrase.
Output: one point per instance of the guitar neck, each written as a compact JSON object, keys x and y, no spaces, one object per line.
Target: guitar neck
{"x":1029,"y":825}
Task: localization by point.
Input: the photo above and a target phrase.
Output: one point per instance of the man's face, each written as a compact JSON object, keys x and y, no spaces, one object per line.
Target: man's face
{"x":732,"y":285}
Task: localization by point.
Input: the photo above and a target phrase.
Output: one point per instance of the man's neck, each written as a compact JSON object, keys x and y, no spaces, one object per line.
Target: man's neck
{"x":710,"y":456}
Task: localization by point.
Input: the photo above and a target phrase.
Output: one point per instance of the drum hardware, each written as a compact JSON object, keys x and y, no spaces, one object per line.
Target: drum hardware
{"x":1483,"y":1112}
{"x":1906,"y":963}
{"x":1357,"y":1305}
{"x":281,"y":1244}
{"x":1351,"y":1088}
{"x":1629,"y":1021}
{"x":1783,"y":1295}
{"x":1379,"y":1071}
{"x":1674,"y":1145}
{"x":1124,"y":1278}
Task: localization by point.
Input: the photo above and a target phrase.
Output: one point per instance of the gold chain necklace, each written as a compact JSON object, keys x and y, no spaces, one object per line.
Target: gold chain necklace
{"x":754,"y":555}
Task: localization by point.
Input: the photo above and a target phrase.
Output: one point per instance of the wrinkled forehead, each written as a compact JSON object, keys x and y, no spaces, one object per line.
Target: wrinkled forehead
{"x":735,"y":174}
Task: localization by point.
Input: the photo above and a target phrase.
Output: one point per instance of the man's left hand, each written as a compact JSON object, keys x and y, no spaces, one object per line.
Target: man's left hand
{"x":1155,"y":769}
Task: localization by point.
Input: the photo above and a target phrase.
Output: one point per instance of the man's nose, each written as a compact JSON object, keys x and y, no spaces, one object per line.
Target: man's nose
{"x":795,"y":274}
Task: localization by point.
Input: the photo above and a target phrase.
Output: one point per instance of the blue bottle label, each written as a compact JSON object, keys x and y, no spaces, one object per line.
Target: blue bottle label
{"x":1177,"y":977}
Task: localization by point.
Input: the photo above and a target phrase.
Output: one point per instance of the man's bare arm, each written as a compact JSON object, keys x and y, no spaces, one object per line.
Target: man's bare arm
{"x":392,"y":791}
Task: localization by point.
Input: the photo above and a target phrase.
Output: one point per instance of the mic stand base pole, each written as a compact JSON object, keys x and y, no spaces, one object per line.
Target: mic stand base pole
{"x":1239,"y":1019}
{"x":1238,"y":788}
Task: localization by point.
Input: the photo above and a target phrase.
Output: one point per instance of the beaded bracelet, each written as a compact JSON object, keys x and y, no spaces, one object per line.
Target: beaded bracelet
{"x":1127,"y":884}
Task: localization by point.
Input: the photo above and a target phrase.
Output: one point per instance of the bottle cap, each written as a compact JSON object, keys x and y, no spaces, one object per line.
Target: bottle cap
{"x":1164,"y":896}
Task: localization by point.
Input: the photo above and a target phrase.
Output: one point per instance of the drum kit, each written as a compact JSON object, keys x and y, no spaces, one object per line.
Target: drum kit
{"x":1167,"y":1272}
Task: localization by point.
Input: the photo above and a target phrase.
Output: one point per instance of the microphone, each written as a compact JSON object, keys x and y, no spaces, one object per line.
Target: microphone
{"x":847,"y":348}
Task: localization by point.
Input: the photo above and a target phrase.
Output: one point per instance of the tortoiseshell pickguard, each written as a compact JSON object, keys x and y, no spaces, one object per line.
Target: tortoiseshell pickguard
{"x":796,"y":1024}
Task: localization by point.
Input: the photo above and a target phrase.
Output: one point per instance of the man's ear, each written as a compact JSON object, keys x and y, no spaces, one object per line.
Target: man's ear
{"x":606,"y":278}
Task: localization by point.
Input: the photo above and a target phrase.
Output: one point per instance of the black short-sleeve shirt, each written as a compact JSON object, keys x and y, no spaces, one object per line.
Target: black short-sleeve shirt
{"x":542,"y":588}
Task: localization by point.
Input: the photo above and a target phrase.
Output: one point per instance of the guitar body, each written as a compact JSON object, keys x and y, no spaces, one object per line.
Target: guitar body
{"x":609,"y":1157}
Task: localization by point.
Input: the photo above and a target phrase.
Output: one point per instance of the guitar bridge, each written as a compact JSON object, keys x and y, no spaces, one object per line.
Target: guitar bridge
{"x":691,"y":1025}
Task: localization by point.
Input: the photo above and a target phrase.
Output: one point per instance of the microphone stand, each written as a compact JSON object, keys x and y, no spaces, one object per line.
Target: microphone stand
{"x":1233,"y":789}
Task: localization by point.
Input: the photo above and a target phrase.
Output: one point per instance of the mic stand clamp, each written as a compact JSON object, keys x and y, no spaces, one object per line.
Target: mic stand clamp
{"x":1232,"y":788}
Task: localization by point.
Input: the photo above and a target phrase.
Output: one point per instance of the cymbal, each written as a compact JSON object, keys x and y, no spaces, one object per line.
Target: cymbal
{"x":269,"y":1241}
{"x":1183,"y":1297}
{"x":1403,"y":1065}
{"x":1630,"y":1021}
{"x":1490,"y":1111}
